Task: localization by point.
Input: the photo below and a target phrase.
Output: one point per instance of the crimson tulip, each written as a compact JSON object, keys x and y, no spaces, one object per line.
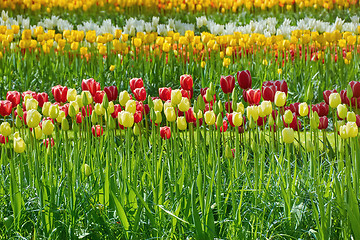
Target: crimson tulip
{"x":344,"y":97}
{"x":3,"y":139}
{"x":321,"y":108}
{"x":90,"y":85}
{"x":227,"y":83}
{"x":165,"y":93}
{"x":97,"y":130}
{"x":31,"y":93}
{"x":244,"y":79}
{"x":228,"y":107}
{"x":5,"y":108}
{"x":230,"y":119}
{"x":224,"y":126}
{"x":65,"y":108}
{"x":186,"y":82}
{"x":326,"y":95}
{"x":281,"y":86}
{"x":117,"y":109}
{"x":137,"y":117}
{"x":358,"y":120}
{"x":355,"y":86}
{"x":165,"y":132}
{"x":268,"y":92}
{"x":99,"y":96}
{"x":87,"y":111}
{"x":136,"y":83}
{"x":111,"y":92}
{"x":187,"y":94}
{"x":147,"y":109}
{"x":42,"y":98}
{"x":79,"y":118}
{"x":294,"y":108}
{"x":140,"y":94}
{"x":323,"y":124}
{"x":253,"y":96}
{"x":13,"y":97}
{"x":189,"y":115}
{"x":60,"y":93}
{"x":46,"y":142}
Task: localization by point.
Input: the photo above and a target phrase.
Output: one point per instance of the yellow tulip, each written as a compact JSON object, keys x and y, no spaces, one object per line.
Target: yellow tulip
{"x":130,"y":106}
{"x":33,"y":118}
{"x":237,"y":119}
{"x":54,"y":111}
{"x":158,"y":105}
{"x":71,"y":94}
{"x":47,"y":127}
{"x":280,"y":99}
{"x":181,"y":123}
{"x":123,"y":98}
{"x":288,"y":135}
{"x":184,"y":105}
{"x":342,"y":111}
{"x":334,"y":100}
{"x":5,"y":129}
{"x":303,"y":109}
{"x":176,"y":97}
{"x":288,"y":117}
{"x":210,"y":118}
{"x":19,"y":144}
{"x":170,"y":114}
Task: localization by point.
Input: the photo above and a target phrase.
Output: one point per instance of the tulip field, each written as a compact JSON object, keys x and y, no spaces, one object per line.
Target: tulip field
{"x":172,"y":119}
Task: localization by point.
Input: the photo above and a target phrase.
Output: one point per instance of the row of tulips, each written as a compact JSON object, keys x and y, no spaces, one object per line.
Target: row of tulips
{"x":199,"y":163}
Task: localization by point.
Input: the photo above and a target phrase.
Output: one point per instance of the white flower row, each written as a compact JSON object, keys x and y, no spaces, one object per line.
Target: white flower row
{"x":268,"y":26}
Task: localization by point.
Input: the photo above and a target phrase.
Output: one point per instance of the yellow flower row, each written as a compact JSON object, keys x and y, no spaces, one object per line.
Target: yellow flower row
{"x":189,"y":5}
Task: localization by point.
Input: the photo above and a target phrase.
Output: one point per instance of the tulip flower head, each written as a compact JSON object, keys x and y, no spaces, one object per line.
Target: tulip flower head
{"x":244,"y":79}
{"x":181,"y":123}
{"x":47,"y":127}
{"x":165,"y":132}
{"x":280,"y":99}
{"x":71,"y":94}
{"x":14,"y":97}
{"x":97,"y":131}
{"x":5,"y":129}
{"x":288,"y":135}
{"x":19,"y":144}
{"x":227,"y":83}
{"x":334,"y":100}
{"x":124,"y":98}
{"x":33,"y":118}
{"x":186,"y":82}
{"x":303,"y":109}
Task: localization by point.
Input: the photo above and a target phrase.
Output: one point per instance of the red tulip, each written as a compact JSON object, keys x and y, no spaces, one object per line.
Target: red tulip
{"x":3,"y":139}
{"x":65,"y":108}
{"x":323,"y":122}
{"x":229,"y":118}
{"x":190,"y":116}
{"x":97,"y":130}
{"x":13,"y":97}
{"x":244,"y":79}
{"x":358,"y":120}
{"x":294,"y":108}
{"x":165,"y":132}
{"x":86,"y":111}
{"x":111,"y":92}
{"x":46,"y":142}
{"x":344,"y":97}
{"x":117,"y":109}
{"x":165,"y":93}
{"x":355,"y":103}
{"x":60,"y":93}
{"x":121,"y":127}
{"x":203,"y":91}
{"x":90,"y":85}
{"x":137,"y":117}
{"x":268,"y":92}
{"x":33,"y":94}
{"x":326,"y":95}
{"x":253,"y":96}
{"x":261,"y":121}
{"x":355,"y":86}
{"x":227,"y":84}
{"x":187,"y":94}
{"x":79,"y":118}
{"x":186,"y":82}
{"x":228,"y":107}
{"x":321,"y":108}
{"x":140,"y":94}
{"x":136,"y":83}
{"x":139,"y":106}
{"x":99,"y":96}
{"x":42,"y":98}
{"x":147,"y":109}
{"x":5,"y":108}
{"x":281,"y":86}
{"x":224,"y":126}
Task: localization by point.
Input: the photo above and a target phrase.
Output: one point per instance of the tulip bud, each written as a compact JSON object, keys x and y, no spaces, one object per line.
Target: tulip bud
{"x":349,"y":91}
{"x":176,"y":97}
{"x":334,"y":100}
{"x":152,"y":115}
{"x":19,"y":144}
{"x":303,"y":109}
{"x":210,"y":118}
{"x":288,"y":135}
{"x":105,"y":102}
{"x":181,"y":123}
{"x":136,"y":130}
{"x":127,"y":119}
{"x":65,"y":124}
{"x":73,"y":109}
{"x":351,"y":117}
{"x":47,"y":127}
{"x":228,"y":152}
{"x":184,"y":104}
{"x":110,"y":107}
{"x":352,"y":129}
{"x":170,"y":114}
{"x":201,"y":103}
{"x":18,"y":122}
{"x":33,"y":118}
{"x":208,"y":96}
{"x":280,"y":99}
{"x":314,"y":121}
{"x":158,"y":117}
{"x":71,"y":94}
{"x":5,"y":129}
{"x":150,"y":102}
{"x":94,"y":118}
{"x":240,"y":108}
{"x":342,"y":111}
{"x":130,"y":106}
{"x":343,"y":132}
{"x":87,"y":170}
{"x":19,"y":111}
{"x":31,"y":104}
{"x":219,"y":120}
{"x":237,"y":119}
{"x":80,"y":100}
{"x":158,"y":105}
{"x":212,"y":89}
{"x":266,"y":108}
{"x":60,"y":116}
{"x":220,"y":106}
{"x":38,"y":132}
{"x":46,"y":109}
{"x":86,"y":98}
{"x":54,"y":111}
{"x":288,"y":117}
{"x":99,"y":109}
